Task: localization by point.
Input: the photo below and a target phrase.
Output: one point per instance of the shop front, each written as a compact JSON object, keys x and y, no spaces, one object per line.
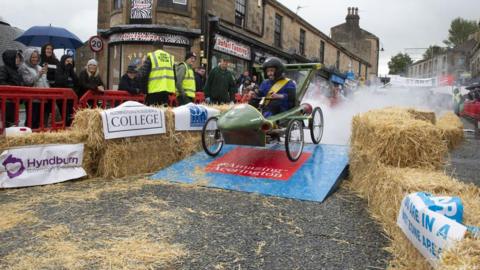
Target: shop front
{"x":133,"y":47}
{"x":237,"y":54}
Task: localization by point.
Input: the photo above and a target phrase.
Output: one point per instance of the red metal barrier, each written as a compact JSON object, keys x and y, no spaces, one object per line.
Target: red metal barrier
{"x":238,"y":98}
{"x":14,"y":96}
{"x":199,"y":97}
{"x":172,"y":100}
{"x":107,"y":99}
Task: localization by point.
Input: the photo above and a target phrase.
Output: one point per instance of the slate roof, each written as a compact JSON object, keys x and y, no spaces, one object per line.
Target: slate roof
{"x":7,"y":36}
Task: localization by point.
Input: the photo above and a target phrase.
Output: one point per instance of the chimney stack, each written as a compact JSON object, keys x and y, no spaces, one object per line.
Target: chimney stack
{"x":352,"y":19}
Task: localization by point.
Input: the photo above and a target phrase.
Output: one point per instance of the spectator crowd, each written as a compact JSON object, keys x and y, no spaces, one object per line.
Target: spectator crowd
{"x":159,"y":78}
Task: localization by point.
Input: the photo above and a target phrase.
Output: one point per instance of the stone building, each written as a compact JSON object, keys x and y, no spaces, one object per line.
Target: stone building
{"x":455,"y":62}
{"x":357,"y":40}
{"x":243,"y":31}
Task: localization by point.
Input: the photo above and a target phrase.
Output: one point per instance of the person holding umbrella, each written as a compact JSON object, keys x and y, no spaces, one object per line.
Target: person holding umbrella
{"x":48,"y":58}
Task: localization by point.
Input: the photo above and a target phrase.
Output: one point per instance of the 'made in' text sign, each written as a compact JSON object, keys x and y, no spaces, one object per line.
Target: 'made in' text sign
{"x":429,"y":231}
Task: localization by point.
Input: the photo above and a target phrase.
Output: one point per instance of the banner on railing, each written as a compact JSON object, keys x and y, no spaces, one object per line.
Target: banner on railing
{"x":40,"y":164}
{"x":132,"y":119}
{"x":430,"y":223}
{"x":192,"y":117}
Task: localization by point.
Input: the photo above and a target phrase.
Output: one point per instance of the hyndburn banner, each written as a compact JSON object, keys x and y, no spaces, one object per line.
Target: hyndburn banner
{"x":40,"y":164}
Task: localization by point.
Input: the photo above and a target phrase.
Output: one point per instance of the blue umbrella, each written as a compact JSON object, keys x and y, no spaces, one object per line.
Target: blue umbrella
{"x":60,"y":38}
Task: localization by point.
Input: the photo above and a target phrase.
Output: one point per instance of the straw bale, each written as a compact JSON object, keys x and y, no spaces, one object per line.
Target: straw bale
{"x":451,"y":128}
{"x":135,"y":155}
{"x":146,"y":154}
{"x":427,"y":116}
{"x":128,"y":156}
{"x":397,"y":139}
{"x":384,"y":187}
{"x":60,"y":137}
{"x":89,"y":121}
{"x":465,"y":255}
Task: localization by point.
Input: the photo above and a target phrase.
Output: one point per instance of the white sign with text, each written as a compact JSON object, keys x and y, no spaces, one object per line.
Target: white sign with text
{"x":429,"y":231}
{"x":132,"y":119}
{"x":40,"y":165}
{"x":232,"y":47}
{"x":192,"y":117}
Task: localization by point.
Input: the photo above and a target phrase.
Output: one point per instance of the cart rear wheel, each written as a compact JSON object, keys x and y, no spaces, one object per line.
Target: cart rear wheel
{"x":315,"y":124}
{"x":294,"y":140}
{"x":212,"y":139}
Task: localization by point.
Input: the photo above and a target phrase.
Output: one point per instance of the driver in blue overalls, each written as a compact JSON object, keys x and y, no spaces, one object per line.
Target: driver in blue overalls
{"x":279,"y":91}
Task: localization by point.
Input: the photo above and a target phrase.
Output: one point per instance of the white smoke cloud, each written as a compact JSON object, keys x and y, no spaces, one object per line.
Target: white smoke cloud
{"x":337,"y":119}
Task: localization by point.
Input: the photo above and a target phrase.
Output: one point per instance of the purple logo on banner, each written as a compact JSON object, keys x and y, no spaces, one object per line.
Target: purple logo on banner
{"x":16,"y":167}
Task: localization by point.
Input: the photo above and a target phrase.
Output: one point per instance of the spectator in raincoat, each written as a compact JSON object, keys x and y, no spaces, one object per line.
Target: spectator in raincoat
{"x":65,"y":77}
{"x":220,"y":87}
{"x":10,"y":75}
{"x":199,"y":78}
{"x":458,"y":100}
{"x":89,"y":79}
{"x":34,"y":76}
{"x":129,"y":81}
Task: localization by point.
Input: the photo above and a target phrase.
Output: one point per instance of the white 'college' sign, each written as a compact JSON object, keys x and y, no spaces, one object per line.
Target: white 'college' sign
{"x":132,"y":119}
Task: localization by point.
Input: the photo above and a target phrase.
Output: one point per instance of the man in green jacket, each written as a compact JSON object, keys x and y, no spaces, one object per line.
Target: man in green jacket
{"x":220,"y":87}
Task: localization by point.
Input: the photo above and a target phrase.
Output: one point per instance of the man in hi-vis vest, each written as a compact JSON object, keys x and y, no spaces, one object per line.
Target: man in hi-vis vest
{"x":186,"y":79}
{"x":157,"y":71}
{"x":279,"y":91}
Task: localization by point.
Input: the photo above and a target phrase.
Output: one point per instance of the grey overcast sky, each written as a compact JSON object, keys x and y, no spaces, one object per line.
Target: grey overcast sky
{"x":400,"y":24}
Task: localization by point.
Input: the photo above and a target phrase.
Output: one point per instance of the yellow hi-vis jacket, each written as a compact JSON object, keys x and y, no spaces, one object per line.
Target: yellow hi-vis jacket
{"x":188,"y":83}
{"x":162,"y":77}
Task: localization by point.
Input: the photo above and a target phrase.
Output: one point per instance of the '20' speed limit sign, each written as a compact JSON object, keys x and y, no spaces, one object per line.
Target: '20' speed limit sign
{"x":96,"y":43}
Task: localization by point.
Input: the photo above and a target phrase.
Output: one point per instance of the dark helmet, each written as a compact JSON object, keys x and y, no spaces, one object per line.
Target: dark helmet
{"x":274,"y":62}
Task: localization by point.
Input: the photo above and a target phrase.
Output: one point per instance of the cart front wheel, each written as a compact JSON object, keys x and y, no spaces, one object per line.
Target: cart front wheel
{"x":294,"y":140}
{"x":212,"y":139}
{"x":315,"y":124}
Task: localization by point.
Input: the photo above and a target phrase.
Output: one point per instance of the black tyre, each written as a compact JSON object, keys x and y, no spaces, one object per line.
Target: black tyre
{"x":315,"y":124}
{"x":212,"y":139}
{"x":294,"y":140}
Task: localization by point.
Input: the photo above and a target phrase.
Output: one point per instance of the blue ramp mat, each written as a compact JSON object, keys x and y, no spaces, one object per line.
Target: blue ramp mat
{"x":265,"y":170}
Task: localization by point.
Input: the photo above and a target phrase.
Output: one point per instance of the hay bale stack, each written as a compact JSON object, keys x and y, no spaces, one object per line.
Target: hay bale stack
{"x":397,"y":139}
{"x":427,"y":116}
{"x":384,"y":187}
{"x":146,"y":154}
{"x":136,"y":155}
{"x":384,"y":179}
{"x":451,"y":128}
{"x":61,"y":137}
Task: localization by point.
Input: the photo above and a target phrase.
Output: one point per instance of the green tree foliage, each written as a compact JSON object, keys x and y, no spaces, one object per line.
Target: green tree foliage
{"x":433,"y":50}
{"x":459,"y":31}
{"x":398,"y":64}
